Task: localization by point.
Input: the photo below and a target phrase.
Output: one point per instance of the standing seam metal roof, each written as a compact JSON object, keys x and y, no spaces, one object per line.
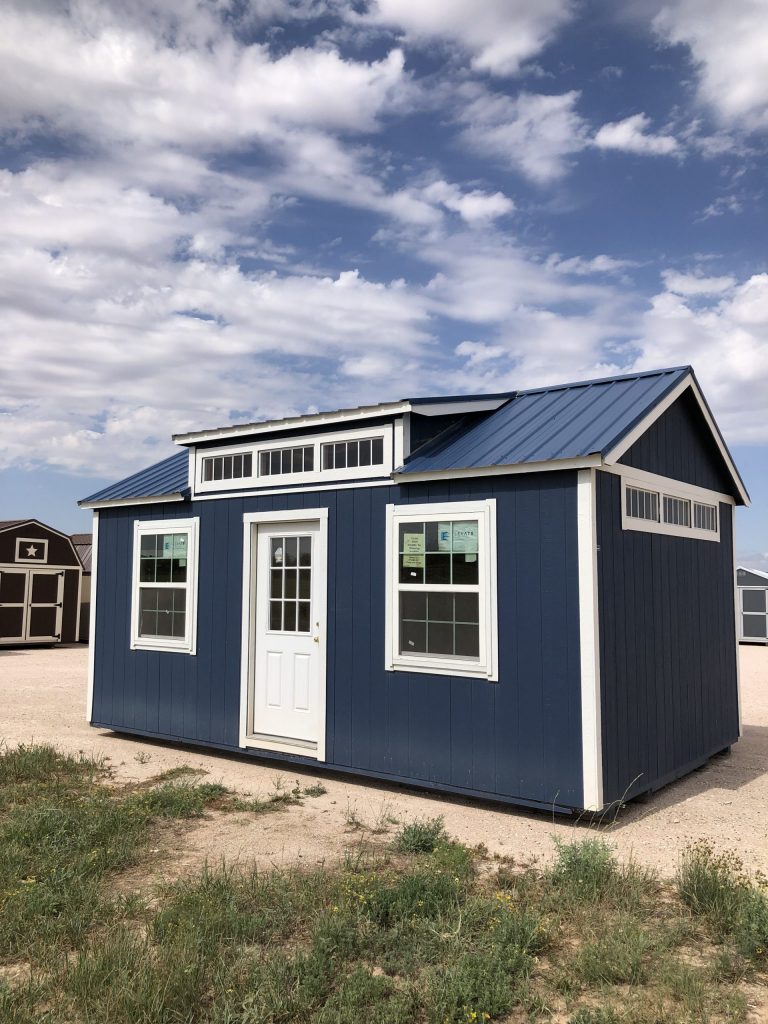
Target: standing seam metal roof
{"x":538,"y":425}
{"x":166,"y":478}
{"x":547,"y":424}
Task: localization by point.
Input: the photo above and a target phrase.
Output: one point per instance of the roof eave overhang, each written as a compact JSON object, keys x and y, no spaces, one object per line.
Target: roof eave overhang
{"x":152,"y":499}
{"x":621,"y":445}
{"x":294,"y":423}
{"x":548,"y":466}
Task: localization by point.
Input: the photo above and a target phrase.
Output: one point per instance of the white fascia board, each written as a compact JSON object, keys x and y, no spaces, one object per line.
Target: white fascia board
{"x":295,"y":423}
{"x":582,"y":462}
{"x":658,"y":410}
{"x":157,"y":499}
{"x":589,"y":642}
{"x":756,"y":572}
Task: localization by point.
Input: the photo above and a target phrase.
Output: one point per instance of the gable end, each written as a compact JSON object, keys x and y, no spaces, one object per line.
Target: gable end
{"x":680,"y":445}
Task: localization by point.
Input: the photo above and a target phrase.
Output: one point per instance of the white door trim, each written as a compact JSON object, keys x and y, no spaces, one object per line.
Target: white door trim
{"x":250,"y":520}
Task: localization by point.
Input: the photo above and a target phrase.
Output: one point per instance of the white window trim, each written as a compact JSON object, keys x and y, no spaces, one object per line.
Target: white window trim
{"x":317,"y":475}
{"x":188,"y":643}
{"x":488,"y":665}
{"x":37,"y":542}
{"x":674,"y":489}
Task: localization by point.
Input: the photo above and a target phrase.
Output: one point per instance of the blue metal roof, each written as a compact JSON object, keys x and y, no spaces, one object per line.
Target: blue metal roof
{"x":544,"y":424}
{"x":169,"y":477}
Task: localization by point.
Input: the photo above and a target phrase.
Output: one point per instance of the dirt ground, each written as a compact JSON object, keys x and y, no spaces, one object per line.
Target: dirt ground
{"x":42,"y":696}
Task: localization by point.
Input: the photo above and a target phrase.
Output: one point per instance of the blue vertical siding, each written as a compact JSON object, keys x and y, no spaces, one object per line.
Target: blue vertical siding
{"x":667,"y":648}
{"x":515,"y":740}
{"x":679,"y":445}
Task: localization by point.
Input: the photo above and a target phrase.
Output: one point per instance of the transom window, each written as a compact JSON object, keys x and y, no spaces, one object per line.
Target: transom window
{"x":661,"y":510}
{"x":705,"y":516}
{"x":442,"y":604}
{"x":299,"y":461}
{"x":227,"y":467}
{"x":287,"y":460}
{"x":677,"y":511}
{"x":642,"y":504}
{"x":364,"y":451}
{"x":165,"y":556}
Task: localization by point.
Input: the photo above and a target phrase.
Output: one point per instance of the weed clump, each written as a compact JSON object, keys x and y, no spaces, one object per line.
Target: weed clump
{"x":421,"y":836}
{"x":716,"y":886}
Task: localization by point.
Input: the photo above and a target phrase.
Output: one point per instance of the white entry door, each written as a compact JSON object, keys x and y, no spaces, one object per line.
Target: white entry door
{"x":288,"y":691}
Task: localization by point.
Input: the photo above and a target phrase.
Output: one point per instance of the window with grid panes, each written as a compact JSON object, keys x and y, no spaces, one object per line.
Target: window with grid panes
{"x":441,"y":602}
{"x":290,"y":584}
{"x":163,"y":600}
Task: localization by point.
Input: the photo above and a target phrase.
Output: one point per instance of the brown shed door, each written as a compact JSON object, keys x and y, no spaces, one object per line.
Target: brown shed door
{"x":45,"y":604}
{"x":13,"y":604}
{"x":30,"y":605}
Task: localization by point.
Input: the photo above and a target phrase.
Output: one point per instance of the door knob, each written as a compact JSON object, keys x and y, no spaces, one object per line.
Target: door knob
{"x":316,"y":639}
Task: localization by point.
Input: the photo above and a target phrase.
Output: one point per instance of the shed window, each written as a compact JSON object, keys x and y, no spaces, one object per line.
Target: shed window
{"x":674,"y":508}
{"x":443,"y":587}
{"x":642,"y":504}
{"x":705,"y":516}
{"x":364,"y":451}
{"x":278,"y":461}
{"x":165,"y":563}
{"x":677,"y":511}
{"x":227,"y":467}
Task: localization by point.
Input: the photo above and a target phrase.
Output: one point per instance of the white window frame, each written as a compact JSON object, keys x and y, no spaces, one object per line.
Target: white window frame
{"x":36,"y":542}
{"x":742,"y":613}
{"x":487,"y":666}
{"x":665,"y":487}
{"x":180,"y":645}
{"x":302,"y":480}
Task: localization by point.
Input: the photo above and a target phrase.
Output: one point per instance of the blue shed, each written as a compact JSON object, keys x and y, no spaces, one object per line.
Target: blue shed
{"x":527,"y":597}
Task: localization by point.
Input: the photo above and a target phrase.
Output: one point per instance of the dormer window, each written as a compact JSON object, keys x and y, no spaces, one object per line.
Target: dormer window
{"x":362,"y":454}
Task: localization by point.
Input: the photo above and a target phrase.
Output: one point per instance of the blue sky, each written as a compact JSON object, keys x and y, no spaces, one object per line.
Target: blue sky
{"x":218,"y":211}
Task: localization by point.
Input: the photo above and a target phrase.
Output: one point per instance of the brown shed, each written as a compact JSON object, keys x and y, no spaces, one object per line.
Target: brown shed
{"x":40,"y":584}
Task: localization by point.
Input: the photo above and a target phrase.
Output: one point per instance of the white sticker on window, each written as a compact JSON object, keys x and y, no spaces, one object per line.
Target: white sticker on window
{"x":465,"y":538}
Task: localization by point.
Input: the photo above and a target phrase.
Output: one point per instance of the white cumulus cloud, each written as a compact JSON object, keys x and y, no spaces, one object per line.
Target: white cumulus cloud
{"x":537,"y":134}
{"x":499,"y":34}
{"x":728,"y":43}
{"x":632,"y":136}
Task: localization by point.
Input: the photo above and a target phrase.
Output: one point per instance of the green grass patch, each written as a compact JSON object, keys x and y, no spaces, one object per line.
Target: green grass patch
{"x":425,"y":931}
{"x":420,"y":836}
{"x":715,"y":886}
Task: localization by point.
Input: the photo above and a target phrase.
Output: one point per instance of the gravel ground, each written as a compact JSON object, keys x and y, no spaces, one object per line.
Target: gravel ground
{"x":42,"y":694}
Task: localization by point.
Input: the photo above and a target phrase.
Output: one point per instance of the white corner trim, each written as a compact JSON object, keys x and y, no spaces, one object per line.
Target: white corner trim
{"x":187,"y":645}
{"x":738,"y":618}
{"x":658,"y":410}
{"x":92,"y":621}
{"x":589,"y":642}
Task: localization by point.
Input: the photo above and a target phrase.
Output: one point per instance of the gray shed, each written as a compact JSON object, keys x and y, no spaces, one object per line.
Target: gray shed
{"x":752,"y":585}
